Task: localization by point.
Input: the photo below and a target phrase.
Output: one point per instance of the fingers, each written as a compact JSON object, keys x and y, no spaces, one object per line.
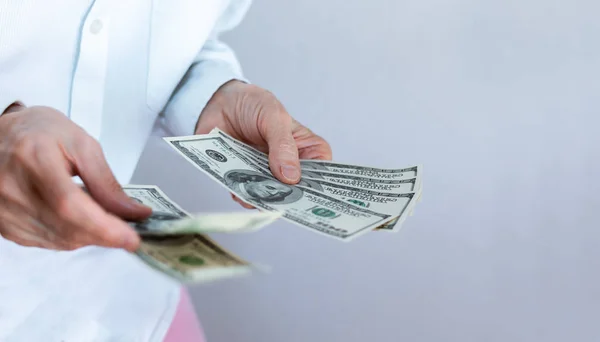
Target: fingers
{"x":26,"y":231}
{"x":242,"y":203}
{"x":70,"y":212}
{"x":108,"y":231}
{"x":310,"y":145}
{"x":80,"y":221}
{"x":315,"y":148}
{"x":102,"y":185}
{"x":283,"y":152}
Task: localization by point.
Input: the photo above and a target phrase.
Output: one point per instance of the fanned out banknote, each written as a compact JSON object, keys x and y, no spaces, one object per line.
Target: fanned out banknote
{"x":175,"y":242}
{"x":331,"y":167}
{"x":399,"y":181}
{"x":364,"y":177}
{"x":338,"y":200}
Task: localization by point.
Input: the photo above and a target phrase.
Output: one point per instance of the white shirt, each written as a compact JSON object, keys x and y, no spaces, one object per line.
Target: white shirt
{"x":112,"y":66}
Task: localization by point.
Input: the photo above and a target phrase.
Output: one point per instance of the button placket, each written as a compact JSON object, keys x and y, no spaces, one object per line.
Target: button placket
{"x":87,"y":94}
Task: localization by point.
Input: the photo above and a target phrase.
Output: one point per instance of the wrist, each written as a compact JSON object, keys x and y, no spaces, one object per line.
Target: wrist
{"x":221,"y":99}
{"x":221,"y":95}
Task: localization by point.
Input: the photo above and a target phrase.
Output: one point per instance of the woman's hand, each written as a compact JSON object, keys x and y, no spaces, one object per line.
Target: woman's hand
{"x":40,"y":205}
{"x":255,"y":116}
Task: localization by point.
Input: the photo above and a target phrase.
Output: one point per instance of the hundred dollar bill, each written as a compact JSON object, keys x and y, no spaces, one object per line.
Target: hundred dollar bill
{"x":385,"y":202}
{"x":399,"y":203}
{"x":397,"y":186}
{"x":171,"y":243}
{"x":328,"y":166}
{"x":305,"y":207}
{"x":335,"y":172}
{"x":345,"y":174}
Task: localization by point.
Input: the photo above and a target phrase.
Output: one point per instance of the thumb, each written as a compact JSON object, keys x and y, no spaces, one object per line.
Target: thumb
{"x":104,"y":188}
{"x":283,"y":153}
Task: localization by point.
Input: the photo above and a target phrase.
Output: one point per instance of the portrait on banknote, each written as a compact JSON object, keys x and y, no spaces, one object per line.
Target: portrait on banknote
{"x":262,"y":188}
{"x":310,"y":184}
{"x":307,"y":165}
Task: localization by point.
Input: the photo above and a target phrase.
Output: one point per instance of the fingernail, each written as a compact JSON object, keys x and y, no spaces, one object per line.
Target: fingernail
{"x":292,"y":173}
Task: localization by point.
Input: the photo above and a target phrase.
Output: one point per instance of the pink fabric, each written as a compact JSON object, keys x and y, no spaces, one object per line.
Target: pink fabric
{"x":186,"y":326}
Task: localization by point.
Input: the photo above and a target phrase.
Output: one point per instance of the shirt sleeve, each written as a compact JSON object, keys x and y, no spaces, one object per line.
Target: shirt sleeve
{"x":215,"y":65}
{"x":6,"y":102}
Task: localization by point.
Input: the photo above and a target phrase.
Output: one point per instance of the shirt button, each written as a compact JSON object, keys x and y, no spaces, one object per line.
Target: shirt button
{"x":96,"y":26}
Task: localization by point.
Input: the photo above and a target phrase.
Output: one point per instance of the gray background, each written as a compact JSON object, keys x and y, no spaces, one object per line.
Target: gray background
{"x":498,"y":100}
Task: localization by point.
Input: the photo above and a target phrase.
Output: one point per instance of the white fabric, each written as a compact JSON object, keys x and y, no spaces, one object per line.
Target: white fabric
{"x":112,"y":67}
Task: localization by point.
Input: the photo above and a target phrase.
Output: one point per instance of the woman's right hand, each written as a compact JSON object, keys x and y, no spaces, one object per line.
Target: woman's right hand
{"x":40,"y":205}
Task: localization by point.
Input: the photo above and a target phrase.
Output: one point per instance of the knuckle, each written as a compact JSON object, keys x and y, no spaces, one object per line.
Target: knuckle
{"x":27,"y":147}
{"x":267,"y":95}
{"x":88,"y":144}
{"x":284,"y":117}
{"x":25,"y":242}
{"x":20,"y":241}
{"x":254,"y":90}
{"x":50,"y":238}
{"x":110,"y":237}
{"x":273,"y":104}
{"x":268,"y":99}
{"x":66,"y":207}
{"x":67,"y":236}
{"x":113,"y":185}
{"x":70,"y":238}
{"x":24,"y":143}
{"x":326,"y":146}
{"x":261,"y":92}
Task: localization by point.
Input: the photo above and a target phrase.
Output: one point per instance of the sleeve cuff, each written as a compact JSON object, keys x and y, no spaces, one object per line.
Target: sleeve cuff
{"x":197,"y":88}
{"x":4,"y":104}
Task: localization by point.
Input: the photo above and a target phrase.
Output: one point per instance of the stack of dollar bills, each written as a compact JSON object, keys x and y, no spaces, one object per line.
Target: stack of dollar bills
{"x":175,"y":242}
{"x":342,"y":201}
